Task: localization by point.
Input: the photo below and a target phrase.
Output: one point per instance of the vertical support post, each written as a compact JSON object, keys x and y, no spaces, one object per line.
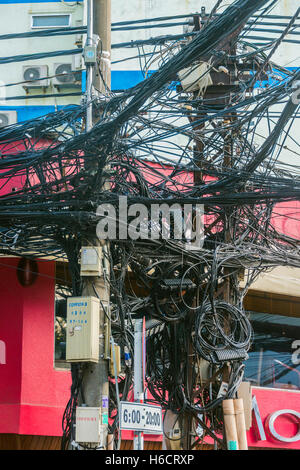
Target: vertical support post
{"x":240,"y":423}
{"x":102,"y":27}
{"x":230,"y":425}
{"x":138,"y":442}
{"x":89,"y":69}
{"x":95,"y":376}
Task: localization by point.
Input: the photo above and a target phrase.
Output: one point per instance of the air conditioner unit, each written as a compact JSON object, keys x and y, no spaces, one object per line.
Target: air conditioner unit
{"x":34,"y":76}
{"x":66,"y":76}
{"x":7,"y":118}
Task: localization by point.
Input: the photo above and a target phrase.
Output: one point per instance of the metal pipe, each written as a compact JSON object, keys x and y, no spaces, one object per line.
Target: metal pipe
{"x":89,"y":69}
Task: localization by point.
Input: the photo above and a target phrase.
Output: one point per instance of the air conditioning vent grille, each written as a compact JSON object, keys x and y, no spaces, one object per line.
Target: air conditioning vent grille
{"x":35,"y":76}
{"x":64,"y":73}
{"x":7,"y":118}
{"x":4,"y":120}
{"x":32,"y":73}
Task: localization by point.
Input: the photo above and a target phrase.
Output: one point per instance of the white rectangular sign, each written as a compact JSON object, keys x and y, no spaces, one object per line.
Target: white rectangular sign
{"x":135,"y":416}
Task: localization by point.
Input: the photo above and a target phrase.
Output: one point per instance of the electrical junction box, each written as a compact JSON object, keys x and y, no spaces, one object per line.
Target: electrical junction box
{"x":203,"y":369}
{"x":175,"y":438}
{"x":90,"y":264}
{"x":90,"y":54}
{"x":82,"y":335}
{"x":172,"y":431}
{"x":88,"y":425}
{"x":115,"y":360}
{"x":195,"y":77}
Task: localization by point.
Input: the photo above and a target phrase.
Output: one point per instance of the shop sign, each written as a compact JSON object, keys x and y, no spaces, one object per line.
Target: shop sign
{"x":270,"y":424}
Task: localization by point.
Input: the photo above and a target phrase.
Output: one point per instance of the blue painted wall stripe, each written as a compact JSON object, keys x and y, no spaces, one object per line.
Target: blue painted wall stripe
{"x":26,"y":113}
{"x":120,"y":80}
{"x":5,"y":2}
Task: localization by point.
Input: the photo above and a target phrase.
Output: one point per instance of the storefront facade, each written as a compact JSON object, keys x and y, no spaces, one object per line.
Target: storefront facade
{"x":35,"y":389}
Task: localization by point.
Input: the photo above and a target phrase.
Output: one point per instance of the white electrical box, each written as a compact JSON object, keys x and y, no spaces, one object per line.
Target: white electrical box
{"x":90,"y":264}
{"x":88,"y":425}
{"x":82,"y":336}
{"x":115,"y":355}
{"x":195,"y":77}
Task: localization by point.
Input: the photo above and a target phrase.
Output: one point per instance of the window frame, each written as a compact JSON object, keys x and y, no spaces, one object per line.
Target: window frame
{"x":33,"y":15}
{"x":59,"y":364}
{"x":277,"y":330}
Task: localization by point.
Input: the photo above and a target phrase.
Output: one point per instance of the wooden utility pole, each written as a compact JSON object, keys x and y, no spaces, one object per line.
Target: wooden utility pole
{"x":95,"y":377}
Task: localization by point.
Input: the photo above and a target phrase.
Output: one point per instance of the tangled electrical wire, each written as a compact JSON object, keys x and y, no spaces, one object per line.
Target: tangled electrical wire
{"x":167,"y":142}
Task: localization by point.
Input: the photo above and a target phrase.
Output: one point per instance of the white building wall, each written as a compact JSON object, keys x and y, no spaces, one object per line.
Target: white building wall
{"x":286,"y":55}
{"x":17,"y":18}
{"x":141,"y":9}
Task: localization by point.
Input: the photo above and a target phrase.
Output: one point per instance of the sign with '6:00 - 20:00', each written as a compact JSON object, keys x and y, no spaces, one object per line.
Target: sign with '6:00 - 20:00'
{"x":135,"y":416}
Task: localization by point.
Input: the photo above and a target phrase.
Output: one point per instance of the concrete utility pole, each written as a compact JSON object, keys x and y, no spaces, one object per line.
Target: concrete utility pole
{"x":95,"y":377}
{"x":102,"y":27}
